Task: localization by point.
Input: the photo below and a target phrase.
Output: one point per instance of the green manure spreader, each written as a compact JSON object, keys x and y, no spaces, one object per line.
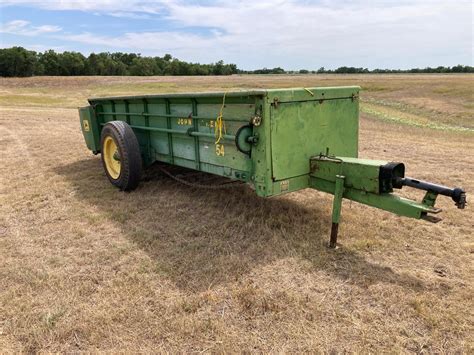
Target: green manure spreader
{"x":277,"y":141}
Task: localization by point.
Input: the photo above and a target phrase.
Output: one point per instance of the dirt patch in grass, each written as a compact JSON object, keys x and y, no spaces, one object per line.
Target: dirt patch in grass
{"x":406,"y":115}
{"x":85,"y":267}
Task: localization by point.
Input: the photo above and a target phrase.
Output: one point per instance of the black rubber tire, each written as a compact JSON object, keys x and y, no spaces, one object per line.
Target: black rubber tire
{"x":130,"y":157}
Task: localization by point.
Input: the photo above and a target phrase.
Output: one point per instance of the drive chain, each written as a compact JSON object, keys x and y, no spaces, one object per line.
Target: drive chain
{"x":200,"y":186}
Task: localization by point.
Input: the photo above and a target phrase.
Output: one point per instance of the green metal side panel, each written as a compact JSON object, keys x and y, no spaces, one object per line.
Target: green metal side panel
{"x":163,"y":124}
{"x":302,"y":129}
{"x":90,"y":128}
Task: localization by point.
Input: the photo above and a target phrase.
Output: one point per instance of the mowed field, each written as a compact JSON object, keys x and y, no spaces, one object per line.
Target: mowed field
{"x":85,"y":267}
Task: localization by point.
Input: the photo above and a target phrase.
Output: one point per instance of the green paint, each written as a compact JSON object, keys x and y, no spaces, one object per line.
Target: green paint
{"x":296,"y":124}
{"x":361,"y":184}
{"x":307,"y":138}
{"x":300,"y":130}
{"x":90,"y":128}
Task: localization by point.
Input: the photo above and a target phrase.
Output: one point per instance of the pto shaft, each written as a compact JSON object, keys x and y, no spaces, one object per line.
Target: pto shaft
{"x":457,"y":194}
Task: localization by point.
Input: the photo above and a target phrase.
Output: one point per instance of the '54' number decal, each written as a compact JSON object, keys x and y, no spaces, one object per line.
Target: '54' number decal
{"x":220,"y":150}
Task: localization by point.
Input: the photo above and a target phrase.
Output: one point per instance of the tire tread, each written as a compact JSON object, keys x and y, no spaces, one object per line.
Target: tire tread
{"x":131,"y":160}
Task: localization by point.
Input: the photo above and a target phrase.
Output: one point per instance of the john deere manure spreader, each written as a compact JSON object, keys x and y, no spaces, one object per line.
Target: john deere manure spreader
{"x":278,"y":141}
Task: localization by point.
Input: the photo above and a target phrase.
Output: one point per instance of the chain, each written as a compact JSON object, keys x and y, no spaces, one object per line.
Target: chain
{"x":201,"y":186}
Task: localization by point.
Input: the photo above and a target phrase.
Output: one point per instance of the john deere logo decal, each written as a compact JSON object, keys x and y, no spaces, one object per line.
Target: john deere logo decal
{"x":85,"y":123}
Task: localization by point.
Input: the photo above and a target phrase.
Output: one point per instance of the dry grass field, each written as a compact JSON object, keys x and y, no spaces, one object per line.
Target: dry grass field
{"x":85,"y":267}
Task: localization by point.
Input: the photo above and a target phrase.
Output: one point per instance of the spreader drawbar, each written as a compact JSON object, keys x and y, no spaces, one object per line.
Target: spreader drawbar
{"x":372,"y":182}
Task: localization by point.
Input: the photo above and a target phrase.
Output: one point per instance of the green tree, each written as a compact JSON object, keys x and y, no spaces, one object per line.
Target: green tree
{"x":105,"y":64}
{"x":125,"y":58}
{"x":144,"y":66}
{"x":50,"y":62}
{"x":72,"y":63}
{"x":17,"y":61}
{"x":219,"y":68}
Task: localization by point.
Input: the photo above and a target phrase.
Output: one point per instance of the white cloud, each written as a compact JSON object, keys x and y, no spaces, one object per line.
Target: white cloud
{"x":134,"y":15}
{"x":24,"y":28}
{"x":144,"y":41}
{"x":37,"y":47}
{"x":134,"y":9}
{"x":102,"y":6}
{"x":294,"y":34}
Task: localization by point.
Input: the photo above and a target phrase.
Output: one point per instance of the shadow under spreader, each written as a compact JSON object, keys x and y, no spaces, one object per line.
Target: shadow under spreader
{"x":203,"y":237}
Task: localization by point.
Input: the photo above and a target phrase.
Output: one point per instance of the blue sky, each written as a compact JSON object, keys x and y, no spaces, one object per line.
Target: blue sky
{"x":253,"y":34}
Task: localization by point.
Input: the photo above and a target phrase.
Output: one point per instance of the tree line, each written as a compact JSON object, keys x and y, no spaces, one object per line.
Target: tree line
{"x":354,"y":70}
{"x":20,"y":62}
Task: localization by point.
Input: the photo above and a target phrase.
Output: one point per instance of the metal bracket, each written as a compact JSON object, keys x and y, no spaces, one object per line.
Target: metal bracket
{"x":244,"y":139}
{"x":430,"y":198}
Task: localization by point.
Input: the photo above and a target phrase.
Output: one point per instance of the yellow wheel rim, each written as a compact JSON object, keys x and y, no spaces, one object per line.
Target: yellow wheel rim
{"x":111,"y":157}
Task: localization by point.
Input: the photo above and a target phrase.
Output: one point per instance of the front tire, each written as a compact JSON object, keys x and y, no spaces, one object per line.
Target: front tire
{"x":121,"y":156}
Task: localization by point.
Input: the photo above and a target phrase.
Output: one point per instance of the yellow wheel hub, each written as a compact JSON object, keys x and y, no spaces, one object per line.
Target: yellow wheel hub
{"x":111,"y":157}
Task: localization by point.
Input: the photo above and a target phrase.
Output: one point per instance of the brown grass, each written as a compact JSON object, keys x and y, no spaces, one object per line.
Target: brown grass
{"x":84,"y":267}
